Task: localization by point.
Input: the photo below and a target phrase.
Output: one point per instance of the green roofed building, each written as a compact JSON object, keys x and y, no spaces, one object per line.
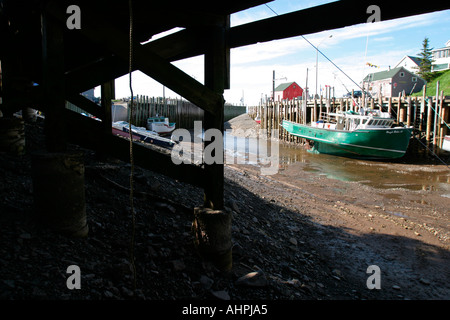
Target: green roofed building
{"x":392,"y":82}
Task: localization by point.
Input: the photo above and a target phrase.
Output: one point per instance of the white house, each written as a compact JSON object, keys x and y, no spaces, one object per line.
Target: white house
{"x":410,"y":63}
{"x":441,"y":58}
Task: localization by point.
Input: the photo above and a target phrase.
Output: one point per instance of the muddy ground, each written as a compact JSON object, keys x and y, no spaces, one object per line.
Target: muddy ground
{"x":312,"y":239}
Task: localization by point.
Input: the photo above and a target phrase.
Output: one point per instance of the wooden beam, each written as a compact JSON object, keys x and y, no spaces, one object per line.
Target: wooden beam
{"x":323,"y":17}
{"x":103,"y":33}
{"x":86,"y":104}
{"x":302,"y":22}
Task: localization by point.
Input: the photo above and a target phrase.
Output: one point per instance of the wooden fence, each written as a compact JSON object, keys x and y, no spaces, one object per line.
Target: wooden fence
{"x":182,"y":112}
{"x":428,"y":115}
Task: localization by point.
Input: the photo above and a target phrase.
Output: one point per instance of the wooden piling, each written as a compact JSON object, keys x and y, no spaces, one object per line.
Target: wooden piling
{"x":429,"y":120}
{"x":408,"y":113}
{"x":212,"y":236}
{"x":58,"y":191}
{"x":12,"y":135}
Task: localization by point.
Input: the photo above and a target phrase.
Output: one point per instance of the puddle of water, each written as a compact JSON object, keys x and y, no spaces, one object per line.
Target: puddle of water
{"x":398,"y":214}
{"x":377,"y":174}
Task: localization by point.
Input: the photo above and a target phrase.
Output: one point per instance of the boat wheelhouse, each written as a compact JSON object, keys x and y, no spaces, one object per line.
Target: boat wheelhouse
{"x":160,"y":124}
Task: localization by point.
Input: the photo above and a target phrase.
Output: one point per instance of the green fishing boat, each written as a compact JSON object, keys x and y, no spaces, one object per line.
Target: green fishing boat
{"x":370,"y":134}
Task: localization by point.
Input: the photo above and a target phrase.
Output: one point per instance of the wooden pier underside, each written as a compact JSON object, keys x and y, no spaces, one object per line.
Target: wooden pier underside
{"x":66,"y":62}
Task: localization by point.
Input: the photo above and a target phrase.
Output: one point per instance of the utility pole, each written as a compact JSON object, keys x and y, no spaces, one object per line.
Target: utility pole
{"x":273,"y":85}
{"x":306,"y":85}
{"x":317,"y":61}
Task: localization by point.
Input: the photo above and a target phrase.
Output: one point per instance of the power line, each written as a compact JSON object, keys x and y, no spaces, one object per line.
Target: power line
{"x":321,"y":53}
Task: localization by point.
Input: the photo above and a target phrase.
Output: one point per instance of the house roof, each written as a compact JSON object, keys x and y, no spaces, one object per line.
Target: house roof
{"x":284,"y":86}
{"x":387,"y":74}
{"x":416,"y":60}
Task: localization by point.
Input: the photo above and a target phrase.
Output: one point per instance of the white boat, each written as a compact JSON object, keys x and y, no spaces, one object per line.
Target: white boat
{"x":160,"y":125}
{"x":122,"y":128}
{"x":446,"y":143}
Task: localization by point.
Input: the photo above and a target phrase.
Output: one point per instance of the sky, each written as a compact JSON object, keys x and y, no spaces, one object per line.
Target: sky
{"x":382,"y":44}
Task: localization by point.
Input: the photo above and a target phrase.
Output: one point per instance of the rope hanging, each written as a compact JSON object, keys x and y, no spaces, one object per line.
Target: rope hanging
{"x":133,"y":214}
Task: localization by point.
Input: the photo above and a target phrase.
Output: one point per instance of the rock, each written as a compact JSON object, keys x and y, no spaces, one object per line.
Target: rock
{"x":108,"y":294}
{"x":25,"y":235}
{"x":154,"y":185}
{"x":253,"y":279}
{"x":163,"y":205}
{"x":206,"y":282}
{"x":293,"y":241}
{"x":178,"y":265}
{"x":222,"y":295}
{"x":10,"y":283}
{"x":234,"y":206}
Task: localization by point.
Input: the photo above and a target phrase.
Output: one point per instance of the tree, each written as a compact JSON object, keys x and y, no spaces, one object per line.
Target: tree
{"x":426,"y":59}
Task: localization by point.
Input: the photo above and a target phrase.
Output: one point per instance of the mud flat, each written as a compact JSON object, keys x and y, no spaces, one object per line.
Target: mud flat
{"x":308,"y":238}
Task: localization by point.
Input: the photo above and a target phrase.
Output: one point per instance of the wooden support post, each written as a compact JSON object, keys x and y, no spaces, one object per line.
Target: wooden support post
{"x":429,"y":120}
{"x":390,"y":105}
{"x":441,"y":120}
{"x":53,"y":82}
{"x":212,"y":224}
{"x":422,"y":107}
{"x":408,"y":113}
{"x":7,"y":81}
{"x":315,"y":109}
{"x":58,"y":175}
{"x":212,"y":235}
{"x":216,"y":79}
{"x":436,"y":112}
{"x":107,"y":92}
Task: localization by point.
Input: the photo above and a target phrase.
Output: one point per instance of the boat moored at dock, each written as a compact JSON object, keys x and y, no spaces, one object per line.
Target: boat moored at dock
{"x":368,"y":134}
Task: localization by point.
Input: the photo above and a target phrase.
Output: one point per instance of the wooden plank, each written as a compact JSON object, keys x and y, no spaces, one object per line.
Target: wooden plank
{"x":86,"y":104}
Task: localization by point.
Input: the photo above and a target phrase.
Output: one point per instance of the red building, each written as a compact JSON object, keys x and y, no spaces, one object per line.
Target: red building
{"x":289,"y":91}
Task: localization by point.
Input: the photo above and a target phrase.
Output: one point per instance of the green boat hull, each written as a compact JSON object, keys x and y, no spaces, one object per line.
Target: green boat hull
{"x":383,"y":143}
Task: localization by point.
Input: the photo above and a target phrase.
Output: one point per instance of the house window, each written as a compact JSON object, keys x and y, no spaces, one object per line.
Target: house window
{"x":414,"y":79}
{"x":402,"y":74}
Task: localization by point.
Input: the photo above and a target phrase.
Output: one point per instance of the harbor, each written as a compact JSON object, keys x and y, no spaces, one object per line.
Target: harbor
{"x":106,"y":196}
{"x":428,"y":116}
